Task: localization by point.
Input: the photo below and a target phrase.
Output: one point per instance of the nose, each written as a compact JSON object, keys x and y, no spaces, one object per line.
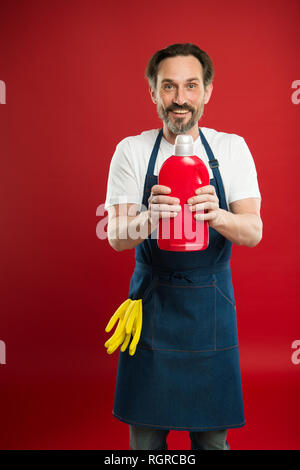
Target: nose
{"x":179,"y":97}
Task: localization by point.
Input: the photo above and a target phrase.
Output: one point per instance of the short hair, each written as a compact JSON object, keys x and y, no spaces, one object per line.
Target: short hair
{"x":179,"y":50}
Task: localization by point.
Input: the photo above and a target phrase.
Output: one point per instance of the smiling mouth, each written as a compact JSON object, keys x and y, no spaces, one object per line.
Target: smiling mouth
{"x":181,"y":112}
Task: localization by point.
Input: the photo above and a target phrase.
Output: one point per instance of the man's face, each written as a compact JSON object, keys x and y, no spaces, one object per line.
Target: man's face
{"x":180,"y":94}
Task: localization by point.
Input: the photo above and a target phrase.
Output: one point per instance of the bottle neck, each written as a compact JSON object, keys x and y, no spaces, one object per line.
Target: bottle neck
{"x":184,"y":150}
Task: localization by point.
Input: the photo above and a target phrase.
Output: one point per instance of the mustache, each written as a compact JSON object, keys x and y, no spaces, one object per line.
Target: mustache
{"x":176,"y":107}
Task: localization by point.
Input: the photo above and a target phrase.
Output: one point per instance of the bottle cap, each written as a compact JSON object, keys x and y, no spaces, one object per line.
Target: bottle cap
{"x":184,"y":145}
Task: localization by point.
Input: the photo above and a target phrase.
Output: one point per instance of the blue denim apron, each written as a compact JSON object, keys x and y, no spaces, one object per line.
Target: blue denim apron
{"x":185,"y":374}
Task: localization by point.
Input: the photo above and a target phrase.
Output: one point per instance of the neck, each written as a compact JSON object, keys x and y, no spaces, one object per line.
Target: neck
{"x":170,"y":137}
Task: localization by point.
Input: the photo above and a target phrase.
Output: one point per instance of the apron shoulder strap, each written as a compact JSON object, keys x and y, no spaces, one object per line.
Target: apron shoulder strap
{"x":150,"y":179}
{"x":151,"y":164}
{"x":214,"y":165}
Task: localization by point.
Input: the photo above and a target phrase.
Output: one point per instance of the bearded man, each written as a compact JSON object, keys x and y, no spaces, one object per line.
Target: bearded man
{"x":185,"y":374}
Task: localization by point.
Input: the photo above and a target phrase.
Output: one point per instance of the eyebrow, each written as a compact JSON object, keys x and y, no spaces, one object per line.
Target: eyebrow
{"x":187,"y":80}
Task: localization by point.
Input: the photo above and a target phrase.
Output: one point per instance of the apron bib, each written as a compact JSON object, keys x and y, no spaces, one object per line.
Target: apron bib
{"x":185,"y":374}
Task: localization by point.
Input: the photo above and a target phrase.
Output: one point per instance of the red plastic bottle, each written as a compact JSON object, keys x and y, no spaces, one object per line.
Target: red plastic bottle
{"x":183,"y":173}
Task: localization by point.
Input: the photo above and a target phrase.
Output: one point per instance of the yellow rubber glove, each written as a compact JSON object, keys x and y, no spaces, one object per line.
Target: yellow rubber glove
{"x":118,"y":315}
{"x":137,"y":328}
{"x":129,"y":315}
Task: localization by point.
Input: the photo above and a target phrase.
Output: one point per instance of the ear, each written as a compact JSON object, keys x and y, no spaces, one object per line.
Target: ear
{"x":153,"y":95}
{"x":208,"y":92}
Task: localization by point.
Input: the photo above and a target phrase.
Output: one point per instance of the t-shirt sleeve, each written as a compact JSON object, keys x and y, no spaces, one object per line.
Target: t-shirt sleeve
{"x":122,"y":184}
{"x":243,"y":181}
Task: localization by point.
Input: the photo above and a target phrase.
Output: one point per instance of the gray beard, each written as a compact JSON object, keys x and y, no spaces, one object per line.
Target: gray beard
{"x":178,"y":127}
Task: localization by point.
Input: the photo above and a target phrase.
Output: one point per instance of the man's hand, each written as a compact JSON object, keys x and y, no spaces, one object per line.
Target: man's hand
{"x":242,"y":226}
{"x":161,"y":206}
{"x":206,"y":200}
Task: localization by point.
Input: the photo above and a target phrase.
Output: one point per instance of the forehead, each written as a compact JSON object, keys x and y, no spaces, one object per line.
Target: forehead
{"x":180,"y":68}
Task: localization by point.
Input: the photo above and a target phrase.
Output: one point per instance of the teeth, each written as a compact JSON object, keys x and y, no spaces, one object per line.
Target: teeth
{"x":180,"y":112}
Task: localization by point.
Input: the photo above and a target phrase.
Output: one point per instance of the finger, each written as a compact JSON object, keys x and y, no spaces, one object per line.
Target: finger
{"x":208,"y":216}
{"x":113,"y":338}
{"x":131,"y":318}
{"x":202,"y":198}
{"x":116,"y":344}
{"x":137,"y":335}
{"x":117,"y":315}
{"x":120,"y":310}
{"x":128,"y":312}
{"x":136,"y":323}
{"x":210,"y":189}
{"x":160,"y":189}
{"x":165,"y":207}
{"x":164,"y":200}
{"x":132,"y":351}
{"x":126,"y":342}
{"x":167,"y":215}
{"x":155,"y":216}
{"x":204,"y":206}
{"x":116,"y":334}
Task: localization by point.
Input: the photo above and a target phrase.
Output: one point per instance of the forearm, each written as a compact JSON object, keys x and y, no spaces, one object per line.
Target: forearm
{"x":126,"y":232}
{"x":241,"y":229}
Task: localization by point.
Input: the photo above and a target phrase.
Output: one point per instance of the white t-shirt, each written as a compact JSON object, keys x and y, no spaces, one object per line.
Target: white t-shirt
{"x":129,"y":165}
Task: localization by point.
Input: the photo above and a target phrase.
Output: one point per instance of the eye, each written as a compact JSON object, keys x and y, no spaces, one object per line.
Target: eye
{"x":168,"y":86}
{"x":192,"y":85}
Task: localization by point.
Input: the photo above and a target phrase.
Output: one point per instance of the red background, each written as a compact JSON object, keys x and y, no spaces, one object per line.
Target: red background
{"x":74,"y":81}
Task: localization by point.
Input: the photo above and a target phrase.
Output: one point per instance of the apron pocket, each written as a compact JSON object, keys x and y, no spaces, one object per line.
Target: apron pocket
{"x":141,"y":287}
{"x":226,"y":325}
{"x":146,"y":339}
{"x":184,"y":317}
